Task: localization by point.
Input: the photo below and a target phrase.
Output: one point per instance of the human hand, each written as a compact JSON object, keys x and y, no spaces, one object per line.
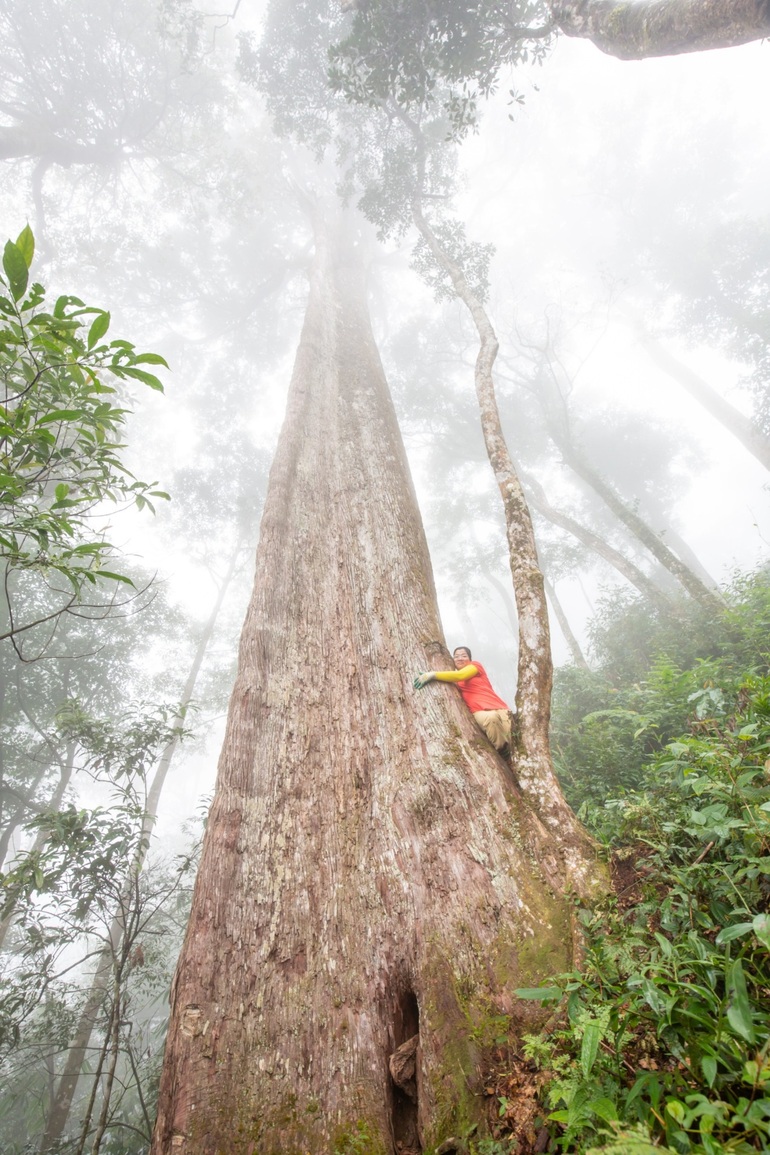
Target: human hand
{"x":422,"y":680}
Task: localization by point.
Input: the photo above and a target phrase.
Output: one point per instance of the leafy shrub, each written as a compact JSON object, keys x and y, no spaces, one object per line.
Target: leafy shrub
{"x":658,"y":676}
{"x":666,"y":1029}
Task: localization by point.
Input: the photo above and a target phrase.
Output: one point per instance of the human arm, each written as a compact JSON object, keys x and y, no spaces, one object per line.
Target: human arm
{"x":462,"y":675}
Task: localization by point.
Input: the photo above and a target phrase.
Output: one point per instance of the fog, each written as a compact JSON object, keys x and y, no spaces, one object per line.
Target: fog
{"x":627,"y":207}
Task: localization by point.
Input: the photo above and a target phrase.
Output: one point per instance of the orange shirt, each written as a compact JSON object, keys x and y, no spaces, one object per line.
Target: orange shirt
{"x":476,"y":690}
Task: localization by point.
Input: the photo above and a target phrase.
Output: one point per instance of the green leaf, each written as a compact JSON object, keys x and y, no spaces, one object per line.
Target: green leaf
{"x":90,"y":547}
{"x":737,"y":930}
{"x":61,"y":415}
{"x":151,"y":359}
{"x":739,"y":1007}
{"x":25,"y":243}
{"x":761,"y":925}
{"x":542,"y":993}
{"x":605,"y":1109}
{"x":751,"y":1071}
{"x":61,"y":491}
{"x":664,"y":945}
{"x":709,"y":1067}
{"x":15,"y":269}
{"x":116,"y":577}
{"x":140,"y":375}
{"x":61,"y":305}
{"x":98,"y":329}
{"x":592,"y":1036}
{"x":676,"y":1110}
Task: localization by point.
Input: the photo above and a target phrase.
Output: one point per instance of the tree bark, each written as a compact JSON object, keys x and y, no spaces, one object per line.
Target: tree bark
{"x":634,"y":31}
{"x":369,"y":870}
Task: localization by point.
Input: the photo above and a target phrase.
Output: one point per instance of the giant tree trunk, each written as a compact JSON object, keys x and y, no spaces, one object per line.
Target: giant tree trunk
{"x":370,"y":870}
{"x":642,"y":28}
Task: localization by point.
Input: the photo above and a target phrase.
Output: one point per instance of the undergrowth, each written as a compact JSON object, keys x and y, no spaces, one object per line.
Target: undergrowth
{"x":661,"y":1042}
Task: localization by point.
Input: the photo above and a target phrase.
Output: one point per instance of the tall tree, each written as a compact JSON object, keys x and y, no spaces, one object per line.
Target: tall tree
{"x":365,"y":880}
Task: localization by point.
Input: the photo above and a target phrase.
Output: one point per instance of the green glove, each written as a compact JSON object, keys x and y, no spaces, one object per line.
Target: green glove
{"x":422,"y":680}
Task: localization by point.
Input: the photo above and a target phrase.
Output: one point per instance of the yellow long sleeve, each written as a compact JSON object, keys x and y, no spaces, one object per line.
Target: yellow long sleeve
{"x":456,"y":675}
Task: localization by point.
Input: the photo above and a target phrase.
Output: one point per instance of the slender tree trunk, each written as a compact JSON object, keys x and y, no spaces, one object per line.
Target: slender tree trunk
{"x":365,"y":876}
{"x":639,"y":527}
{"x":578,"y":657}
{"x":159,"y":777}
{"x":687,"y":554}
{"x":598,"y":545}
{"x":66,"y":1086}
{"x":61,"y":1102}
{"x":635,"y":30}
{"x":54,"y":803}
{"x":20,"y":814}
{"x":114,"y":1052}
{"x":558,"y":423}
{"x":569,"y":636}
{"x":726,"y":414}
{"x":534,"y":766}
{"x":507,"y":600}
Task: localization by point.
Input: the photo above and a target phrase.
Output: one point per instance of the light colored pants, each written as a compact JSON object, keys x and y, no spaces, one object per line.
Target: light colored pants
{"x":496,"y":724}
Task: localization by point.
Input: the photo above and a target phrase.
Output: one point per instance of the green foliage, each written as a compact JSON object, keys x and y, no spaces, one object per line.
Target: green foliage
{"x":90,"y":930}
{"x":473,"y":258}
{"x":659,"y":674}
{"x":447,"y":55}
{"x":73,"y":880}
{"x":356,"y":1142}
{"x":60,"y":430}
{"x":663,"y":1044}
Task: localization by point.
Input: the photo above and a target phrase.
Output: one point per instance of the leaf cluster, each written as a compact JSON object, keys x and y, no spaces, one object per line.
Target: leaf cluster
{"x":660,"y":673}
{"x":447,"y":55}
{"x":77,"y":877}
{"x":60,"y":429}
{"x":471,"y":256}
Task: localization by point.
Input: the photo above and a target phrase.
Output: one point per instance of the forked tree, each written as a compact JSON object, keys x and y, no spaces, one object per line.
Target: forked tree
{"x":372,"y":874}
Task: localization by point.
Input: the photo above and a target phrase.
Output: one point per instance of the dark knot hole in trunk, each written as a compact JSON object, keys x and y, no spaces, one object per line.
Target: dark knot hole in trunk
{"x":404,"y":1066}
